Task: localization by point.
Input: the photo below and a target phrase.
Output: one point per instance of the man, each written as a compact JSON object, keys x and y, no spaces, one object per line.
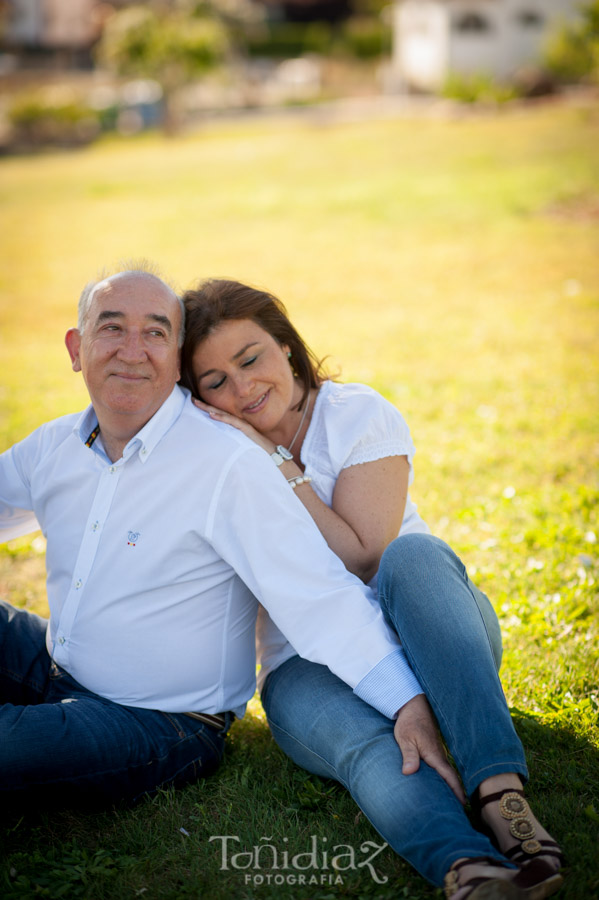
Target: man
{"x":163,"y":527}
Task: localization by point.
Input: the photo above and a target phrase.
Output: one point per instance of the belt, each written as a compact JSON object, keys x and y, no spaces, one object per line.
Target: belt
{"x":217,"y":721}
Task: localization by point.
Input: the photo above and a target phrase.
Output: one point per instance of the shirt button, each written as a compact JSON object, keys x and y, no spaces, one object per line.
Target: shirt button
{"x":112,"y":470}
{"x":78,"y":584}
{"x":95,"y":526}
{"x":61,"y":640}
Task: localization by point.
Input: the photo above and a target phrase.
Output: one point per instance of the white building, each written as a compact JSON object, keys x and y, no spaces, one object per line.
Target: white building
{"x":435,"y":38}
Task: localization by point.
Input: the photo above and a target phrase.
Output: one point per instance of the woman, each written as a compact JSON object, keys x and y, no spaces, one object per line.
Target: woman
{"x":347,"y":455}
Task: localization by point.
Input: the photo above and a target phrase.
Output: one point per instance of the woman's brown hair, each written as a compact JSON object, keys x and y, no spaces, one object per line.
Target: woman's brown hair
{"x":221,"y":300}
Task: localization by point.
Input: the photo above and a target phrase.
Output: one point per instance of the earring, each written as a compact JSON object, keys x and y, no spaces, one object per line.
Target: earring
{"x":289,"y":354}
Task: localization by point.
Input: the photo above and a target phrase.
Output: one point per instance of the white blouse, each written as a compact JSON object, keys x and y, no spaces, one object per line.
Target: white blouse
{"x":351,"y":424}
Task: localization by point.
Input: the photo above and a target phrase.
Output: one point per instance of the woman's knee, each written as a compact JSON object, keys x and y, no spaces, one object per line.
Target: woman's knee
{"x":423,"y":582}
{"x":420,"y":577}
{"x":405,"y":551}
{"x":415,"y":559}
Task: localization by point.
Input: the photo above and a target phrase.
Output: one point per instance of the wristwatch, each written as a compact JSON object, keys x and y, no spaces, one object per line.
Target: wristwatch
{"x":281,"y":455}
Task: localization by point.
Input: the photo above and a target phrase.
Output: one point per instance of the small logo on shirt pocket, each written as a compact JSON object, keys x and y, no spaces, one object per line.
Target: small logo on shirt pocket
{"x":132,"y":538}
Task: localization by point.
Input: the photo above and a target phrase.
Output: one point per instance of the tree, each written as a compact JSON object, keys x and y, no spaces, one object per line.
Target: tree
{"x":572,"y":53}
{"x":171,"y":46}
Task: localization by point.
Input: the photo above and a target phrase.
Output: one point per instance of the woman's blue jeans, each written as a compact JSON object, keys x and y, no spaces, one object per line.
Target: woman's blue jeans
{"x":62,"y":744}
{"x":451,"y":637}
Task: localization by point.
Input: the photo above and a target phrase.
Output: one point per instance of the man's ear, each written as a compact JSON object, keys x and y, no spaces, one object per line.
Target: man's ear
{"x":73,"y":341}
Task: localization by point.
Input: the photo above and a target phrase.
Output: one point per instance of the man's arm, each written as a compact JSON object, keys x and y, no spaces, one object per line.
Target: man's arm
{"x":262,"y":530}
{"x":16,"y":516}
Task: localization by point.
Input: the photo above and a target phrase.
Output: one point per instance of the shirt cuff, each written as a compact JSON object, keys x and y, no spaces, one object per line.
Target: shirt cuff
{"x":389,"y":685}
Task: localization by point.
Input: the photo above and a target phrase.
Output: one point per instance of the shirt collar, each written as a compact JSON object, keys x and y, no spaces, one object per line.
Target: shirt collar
{"x":147,"y":437}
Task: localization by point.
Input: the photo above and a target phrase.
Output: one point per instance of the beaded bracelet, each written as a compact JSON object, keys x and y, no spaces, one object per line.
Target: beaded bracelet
{"x":299,"y":479}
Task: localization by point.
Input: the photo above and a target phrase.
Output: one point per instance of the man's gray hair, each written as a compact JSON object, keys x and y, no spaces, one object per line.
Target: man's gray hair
{"x":132,"y":267}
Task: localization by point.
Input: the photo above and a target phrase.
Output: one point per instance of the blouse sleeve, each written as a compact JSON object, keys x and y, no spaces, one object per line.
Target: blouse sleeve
{"x":362,"y":427}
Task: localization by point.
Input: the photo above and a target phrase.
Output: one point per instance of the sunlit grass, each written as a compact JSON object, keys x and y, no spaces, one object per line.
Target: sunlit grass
{"x":454,"y":266}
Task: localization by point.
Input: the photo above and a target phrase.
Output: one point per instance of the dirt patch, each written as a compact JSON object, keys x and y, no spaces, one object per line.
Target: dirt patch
{"x":578,"y":208}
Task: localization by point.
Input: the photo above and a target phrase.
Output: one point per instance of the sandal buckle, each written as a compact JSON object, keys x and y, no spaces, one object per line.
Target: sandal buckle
{"x":512,"y":806}
{"x":522,"y":829}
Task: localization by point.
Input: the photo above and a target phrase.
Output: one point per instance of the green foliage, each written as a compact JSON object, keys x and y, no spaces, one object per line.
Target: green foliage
{"x":171,"y":47}
{"x":68,"y":871}
{"x":289,"y":39}
{"x":572,"y":52}
{"x":361,"y":37}
{"x":38,"y":118}
{"x":365,"y":37}
{"x":478,"y":88}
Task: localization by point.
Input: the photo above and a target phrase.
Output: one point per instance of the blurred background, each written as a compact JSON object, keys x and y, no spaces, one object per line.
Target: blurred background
{"x":71,"y":70}
{"x":418,"y":181}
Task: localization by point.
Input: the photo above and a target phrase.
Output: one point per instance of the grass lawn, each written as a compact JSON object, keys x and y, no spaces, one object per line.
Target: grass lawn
{"x":452,"y":264}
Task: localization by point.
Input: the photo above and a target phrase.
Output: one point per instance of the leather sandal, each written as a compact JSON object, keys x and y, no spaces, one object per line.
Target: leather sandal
{"x":482,"y":887}
{"x":537,"y":877}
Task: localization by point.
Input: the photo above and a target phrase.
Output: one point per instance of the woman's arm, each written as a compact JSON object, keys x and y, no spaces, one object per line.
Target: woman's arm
{"x":368,"y":504}
{"x":367,"y":510}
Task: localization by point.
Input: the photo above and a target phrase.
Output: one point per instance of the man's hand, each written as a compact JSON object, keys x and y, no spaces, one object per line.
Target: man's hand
{"x":418,"y":738}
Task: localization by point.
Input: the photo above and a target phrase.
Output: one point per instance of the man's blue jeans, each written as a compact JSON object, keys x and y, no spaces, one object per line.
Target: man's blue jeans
{"x":60,"y":743}
{"x":451,"y":637}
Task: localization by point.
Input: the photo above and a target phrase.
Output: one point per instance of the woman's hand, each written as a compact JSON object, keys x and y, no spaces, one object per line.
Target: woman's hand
{"x":220,"y":416}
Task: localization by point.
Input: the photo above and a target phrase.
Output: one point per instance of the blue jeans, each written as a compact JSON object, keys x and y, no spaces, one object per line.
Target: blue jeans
{"x":60,"y":743}
{"x":451,"y":637}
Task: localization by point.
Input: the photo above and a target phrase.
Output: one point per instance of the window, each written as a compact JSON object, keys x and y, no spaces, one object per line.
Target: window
{"x":530,"y":19}
{"x":471,"y":22}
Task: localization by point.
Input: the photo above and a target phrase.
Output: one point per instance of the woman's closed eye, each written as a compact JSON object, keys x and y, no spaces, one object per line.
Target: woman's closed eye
{"x":216,"y":384}
{"x":219,"y":381}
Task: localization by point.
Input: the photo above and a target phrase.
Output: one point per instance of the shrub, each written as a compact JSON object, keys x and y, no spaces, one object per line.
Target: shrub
{"x":572,"y":51}
{"x":38,"y":120}
{"x":477,"y":88}
{"x":365,"y":37}
{"x":289,"y":39}
{"x":361,"y":37}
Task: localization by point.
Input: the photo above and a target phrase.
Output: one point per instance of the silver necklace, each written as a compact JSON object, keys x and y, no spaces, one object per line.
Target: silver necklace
{"x":301,"y":421}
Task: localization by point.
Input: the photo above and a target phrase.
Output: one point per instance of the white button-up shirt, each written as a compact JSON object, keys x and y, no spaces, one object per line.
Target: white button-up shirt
{"x":154,"y":564}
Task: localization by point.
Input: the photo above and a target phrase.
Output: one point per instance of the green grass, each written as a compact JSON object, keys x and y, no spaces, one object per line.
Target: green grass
{"x":453,"y":265}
